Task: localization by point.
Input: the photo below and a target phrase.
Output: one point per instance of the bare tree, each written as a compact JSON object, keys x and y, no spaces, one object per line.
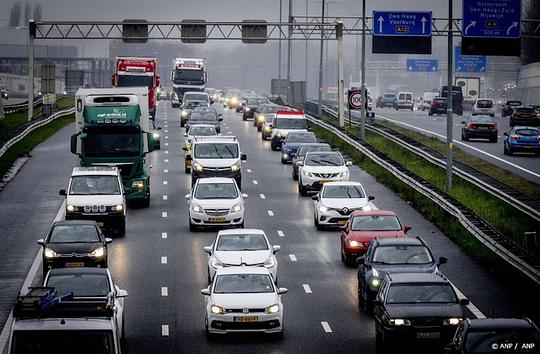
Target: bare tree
{"x":15,"y":14}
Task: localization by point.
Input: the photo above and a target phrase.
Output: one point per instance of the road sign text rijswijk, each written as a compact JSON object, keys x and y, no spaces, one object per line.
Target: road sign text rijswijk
{"x":492,"y":18}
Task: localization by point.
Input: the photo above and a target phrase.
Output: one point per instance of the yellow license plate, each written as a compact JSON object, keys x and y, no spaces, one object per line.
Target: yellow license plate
{"x":74,"y":264}
{"x":342,"y":222}
{"x":217,"y":219}
{"x":100,"y":223}
{"x":323,"y":181}
{"x":246,"y":319}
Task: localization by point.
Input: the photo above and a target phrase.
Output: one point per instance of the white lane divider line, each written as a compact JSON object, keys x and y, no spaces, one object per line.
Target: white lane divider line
{"x":255,"y":181}
{"x":164,"y":214}
{"x":166,"y":126}
{"x":280,"y":233}
{"x":163,"y":259}
{"x":166,"y":137}
{"x":262,"y":196}
{"x":164,"y":291}
{"x":166,"y":160}
{"x":163,"y":235}
{"x":165,"y":183}
{"x":475,"y":311}
{"x":326,"y":327}
{"x":293,"y":258}
{"x":166,"y":151}
{"x":249,"y":171}
{"x":166,"y":144}
{"x":165,"y":330}
{"x":307,"y":289}
{"x":165,"y":197}
{"x":270,"y":213}
{"x":165,"y":171}
{"x":166,"y":130}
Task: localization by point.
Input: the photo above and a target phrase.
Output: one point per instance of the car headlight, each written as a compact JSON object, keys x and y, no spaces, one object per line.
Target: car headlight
{"x":184,"y":113}
{"x":269,"y":263}
{"x":98,"y":252}
{"x":453,"y":321}
{"x":196,"y":208}
{"x":235,"y":167}
{"x":236,"y":208}
{"x":307,"y":173}
{"x":247,"y":109}
{"x":399,"y":322}
{"x":374,"y":282}
{"x":272,"y":309}
{"x":279,"y":135}
{"x":343,"y":174}
{"x":71,"y":208}
{"x":155,"y":136}
{"x":366,"y":208}
{"x":267,"y":129}
{"x":216,"y":263}
{"x":218,"y":310}
{"x":119,"y":208}
{"x":354,"y":243}
{"x":198,"y":167}
{"x":139,"y":184}
{"x":49,"y":253}
{"x":323,"y":208}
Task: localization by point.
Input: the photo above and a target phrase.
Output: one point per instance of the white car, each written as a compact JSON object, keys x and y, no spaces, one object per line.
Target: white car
{"x":243,"y":299}
{"x":404,"y":100}
{"x":483,"y":106}
{"x":319,"y":167}
{"x":215,"y":201}
{"x":337,"y":200}
{"x":249,"y":247}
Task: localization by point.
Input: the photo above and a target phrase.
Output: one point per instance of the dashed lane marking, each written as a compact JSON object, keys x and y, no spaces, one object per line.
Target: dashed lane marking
{"x":270,"y":213}
{"x":166,"y":151}
{"x":163,"y":235}
{"x":326,"y":327}
{"x":262,"y":196}
{"x":166,"y":144}
{"x":249,"y":171}
{"x":475,"y":311}
{"x":166,"y":130}
{"x":165,"y":197}
{"x":280,"y":233}
{"x":164,"y":291}
{"x":163,"y":259}
{"x":165,"y":330}
{"x":166,"y":160}
{"x":293,"y":258}
{"x":165,"y":183}
{"x":164,"y":214}
{"x":166,"y":137}
{"x":165,"y":171}
{"x":255,"y":181}
{"x":307,"y":289}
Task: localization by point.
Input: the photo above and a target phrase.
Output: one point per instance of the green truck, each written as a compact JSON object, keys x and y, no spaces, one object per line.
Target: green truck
{"x":112,"y":129}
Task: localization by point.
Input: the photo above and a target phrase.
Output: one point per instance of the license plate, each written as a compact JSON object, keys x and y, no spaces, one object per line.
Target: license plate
{"x":100,"y":223}
{"x":484,"y":128}
{"x":342,"y":222}
{"x":323,"y":181}
{"x":217,"y":219}
{"x":428,"y":335}
{"x":74,"y":264}
{"x":528,"y":146}
{"x":246,"y":319}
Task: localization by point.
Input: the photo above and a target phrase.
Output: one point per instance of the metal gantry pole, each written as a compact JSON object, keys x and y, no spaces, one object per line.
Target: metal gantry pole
{"x":289,"y":53}
{"x":306,"y":74}
{"x":319,"y":110}
{"x":31,"y":37}
{"x":449,"y":113}
{"x":279,"y":45}
{"x":339,"y":37}
{"x":363,"y":87}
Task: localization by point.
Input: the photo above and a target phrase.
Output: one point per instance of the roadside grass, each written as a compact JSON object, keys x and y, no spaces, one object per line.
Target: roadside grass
{"x":36,"y":137}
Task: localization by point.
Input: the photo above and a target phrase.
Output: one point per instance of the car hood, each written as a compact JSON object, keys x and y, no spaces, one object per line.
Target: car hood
{"x":74,"y":247}
{"x":81,"y":200}
{"x":241,"y":301}
{"x":284,"y":132}
{"x":367,"y":236}
{"x":325,"y":169}
{"x":384,"y":269}
{"x":292,"y":146}
{"x":216,"y":203}
{"x":210,"y":122}
{"x":239,"y":257}
{"x":340,"y":203}
{"x":216,"y":163}
{"x":424,"y":310}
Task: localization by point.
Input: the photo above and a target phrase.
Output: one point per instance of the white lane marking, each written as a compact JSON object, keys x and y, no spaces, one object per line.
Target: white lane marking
{"x":166,"y":144}
{"x":166,"y":130}
{"x":307,"y":289}
{"x":163,"y":235}
{"x":164,"y":291}
{"x":166,"y":126}
{"x":166,"y":160}
{"x":326,"y":327}
{"x":165,"y":183}
{"x":165,"y":171}
{"x":262,"y":196}
{"x":166,"y":151}
{"x":166,"y":137}
{"x":165,"y":197}
{"x":249,"y":171}
{"x":163,"y":259}
{"x":280,"y":233}
{"x":270,"y":213}
{"x":255,"y":181}
{"x":373,"y":206}
{"x":36,"y":265}
{"x":475,"y":311}
{"x":165,"y":330}
{"x":164,"y":214}
{"x":293,"y":258}
{"x":464,"y":144}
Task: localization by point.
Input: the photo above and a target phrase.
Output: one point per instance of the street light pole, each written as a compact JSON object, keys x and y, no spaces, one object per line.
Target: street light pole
{"x":279,"y":44}
{"x":449,"y":112}
{"x":363,"y":87}
{"x":289,"y":53}
{"x":319,"y":110}
{"x":306,"y":74}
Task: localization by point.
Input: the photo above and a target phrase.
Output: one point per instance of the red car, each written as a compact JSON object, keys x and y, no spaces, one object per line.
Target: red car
{"x":364,"y":226}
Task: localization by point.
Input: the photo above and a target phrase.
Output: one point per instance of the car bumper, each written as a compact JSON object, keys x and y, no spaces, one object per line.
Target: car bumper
{"x":525,"y":147}
{"x":278,"y":140}
{"x":74,"y":262}
{"x":484,"y":111}
{"x":248,"y":114}
{"x":229,"y":219}
{"x":105,"y":222}
{"x":266,"y":323}
{"x":216,"y":173}
{"x":315,"y":184}
{"x":331,"y":218}
{"x":438,"y":110}
{"x":436,"y":335}
{"x":354,"y":251}
{"x":287,"y":156}
{"x":481,"y":134}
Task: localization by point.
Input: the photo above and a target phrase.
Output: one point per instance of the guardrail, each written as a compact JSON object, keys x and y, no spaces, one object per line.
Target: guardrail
{"x":487,"y":235}
{"x":20,"y":107}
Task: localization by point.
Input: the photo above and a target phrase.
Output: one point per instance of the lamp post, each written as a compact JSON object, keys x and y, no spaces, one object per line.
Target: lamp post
{"x":449,"y":112}
{"x":326,"y":53}
{"x":319,"y":108}
{"x":363,"y":86}
{"x":279,"y":44}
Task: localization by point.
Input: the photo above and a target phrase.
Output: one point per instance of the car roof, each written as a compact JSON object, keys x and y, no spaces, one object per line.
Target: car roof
{"x":95,"y":170}
{"x":525,"y":127}
{"x":242,"y":270}
{"x":82,"y":270}
{"x":202,"y":126}
{"x":399,"y":241}
{"x":215,"y":180}
{"x":495,"y":323}
{"x":350,"y":183}
{"x":399,"y":278}
{"x":241,"y":232}
{"x":313,"y":144}
{"x":213,"y":139}
{"x":300,"y":133}
{"x":373,"y":213}
{"x":323,"y":153}
{"x":62,"y":324}
{"x":74,"y":222}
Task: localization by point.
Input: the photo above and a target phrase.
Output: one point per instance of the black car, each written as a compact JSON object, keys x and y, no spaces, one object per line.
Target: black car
{"x":391,"y":255}
{"x":457,"y":98}
{"x":525,"y":115}
{"x":508,"y":108}
{"x":439,"y":105}
{"x":479,"y":127}
{"x":418,"y":309}
{"x":292,"y":142}
{"x":251,"y":106}
{"x":74,"y":243}
{"x":303,"y":149}
{"x":495,"y":335}
{"x":205,"y":115}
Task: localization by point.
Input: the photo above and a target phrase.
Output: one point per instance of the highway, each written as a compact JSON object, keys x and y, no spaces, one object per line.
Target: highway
{"x":163,"y":266}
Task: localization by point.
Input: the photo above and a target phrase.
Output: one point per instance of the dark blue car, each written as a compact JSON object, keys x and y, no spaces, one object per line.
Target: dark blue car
{"x":522,"y":139}
{"x":292,"y":142}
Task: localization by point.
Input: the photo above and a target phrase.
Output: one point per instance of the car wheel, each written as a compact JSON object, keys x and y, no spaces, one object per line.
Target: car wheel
{"x":294,"y":175}
{"x":349,"y":261}
{"x":259,"y":128}
{"x":182,"y":124}
{"x":192,"y":227}
{"x":244,"y":118}
{"x":208,"y":277}
{"x":122,"y":228}
{"x":380,"y":348}
{"x":465,"y":137}
{"x":316,"y":221}
{"x":512,"y":124}
{"x":273,"y":146}
{"x":242,"y":225}
{"x":342,"y":252}
{"x":510,"y":152}
{"x":123,"y":335}
{"x":368,"y":305}
{"x":145,"y":204}
{"x":430,"y":113}
{"x":494,"y":140}
{"x":301,"y":189}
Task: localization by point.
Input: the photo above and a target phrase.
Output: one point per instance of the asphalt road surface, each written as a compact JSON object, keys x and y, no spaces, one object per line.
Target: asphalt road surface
{"x":163,"y":266}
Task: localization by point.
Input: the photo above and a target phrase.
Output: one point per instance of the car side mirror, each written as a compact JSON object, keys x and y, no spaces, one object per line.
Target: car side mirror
{"x":188,"y":158}
{"x":220,"y":119}
{"x":361,"y":260}
{"x":62,"y":192}
{"x":243,"y":157}
{"x":108,"y":240}
{"x":244,"y":195}
{"x":315,"y":197}
{"x":407,"y":228}
{"x":377,"y":302}
{"x":282,"y":291}
{"x":121,"y":293}
{"x":442,"y":260}
{"x":187,"y":196}
{"x":208,"y":249}
{"x":276,"y":248}
{"x":41,"y":242}
{"x":505,"y":134}
{"x":159,"y":128}
{"x":205,"y":292}
{"x":348,"y":163}
{"x":464,"y":302}
{"x":370,"y":198}
{"x":463,"y":122}
{"x":185,"y":135}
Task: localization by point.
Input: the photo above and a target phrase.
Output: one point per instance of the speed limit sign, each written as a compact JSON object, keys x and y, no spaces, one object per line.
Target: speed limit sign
{"x":355,"y":99}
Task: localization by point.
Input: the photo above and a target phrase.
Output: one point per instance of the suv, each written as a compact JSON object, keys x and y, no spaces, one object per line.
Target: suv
{"x":457,"y":98}
{"x":404,"y":100}
{"x":320,"y":167}
{"x":292,"y":141}
{"x":388,"y":100}
{"x":391,"y":255}
{"x":216,"y":156}
{"x":190,"y":101}
{"x":483,"y":106}
{"x":252,"y":105}
{"x":97,"y":193}
{"x":283,"y":123}
{"x":303,"y":149}
{"x":416,"y":307}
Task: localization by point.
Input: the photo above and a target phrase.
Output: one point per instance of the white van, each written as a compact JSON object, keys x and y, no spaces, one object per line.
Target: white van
{"x":404,"y":100}
{"x":428,"y":97}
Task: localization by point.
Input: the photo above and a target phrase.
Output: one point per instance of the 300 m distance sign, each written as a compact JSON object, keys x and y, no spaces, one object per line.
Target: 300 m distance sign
{"x":355,"y":99}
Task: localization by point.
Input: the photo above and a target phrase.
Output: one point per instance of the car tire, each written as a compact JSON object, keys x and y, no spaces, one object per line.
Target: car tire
{"x":294,"y":175}
{"x":208,"y":277}
{"x":492,"y":115}
{"x":349,"y":262}
{"x":368,"y":305}
{"x":316,"y":222}
{"x":465,"y":137}
{"x":301,"y":189}
{"x":494,"y":140}
{"x":284,"y":162}
{"x":145,"y":203}
{"x":122,"y":230}
{"x":242,"y":225}
{"x":273,"y":146}
{"x":123,"y":335}
{"x":192,"y":227}
{"x":380,"y":347}
{"x":244,"y":118}
{"x":430,"y":113}
{"x":182,"y":124}
{"x":512,"y":124}
{"x":259,"y":128}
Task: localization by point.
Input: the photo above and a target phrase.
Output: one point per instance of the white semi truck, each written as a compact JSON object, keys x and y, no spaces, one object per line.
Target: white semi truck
{"x":188,"y":74}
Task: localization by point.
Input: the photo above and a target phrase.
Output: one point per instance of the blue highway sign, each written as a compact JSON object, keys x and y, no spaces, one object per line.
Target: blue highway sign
{"x":422,"y":65}
{"x":492,"y":18}
{"x":469,"y":63}
{"x":393,"y":23}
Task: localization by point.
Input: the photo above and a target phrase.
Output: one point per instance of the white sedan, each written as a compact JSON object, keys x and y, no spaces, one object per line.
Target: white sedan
{"x":248,"y":247}
{"x":336,"y":201}
{"x":320,"y":167}
{"x":243,"y":299}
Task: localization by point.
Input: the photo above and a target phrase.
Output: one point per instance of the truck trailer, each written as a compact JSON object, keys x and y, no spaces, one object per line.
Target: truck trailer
{"x":188,"y":74}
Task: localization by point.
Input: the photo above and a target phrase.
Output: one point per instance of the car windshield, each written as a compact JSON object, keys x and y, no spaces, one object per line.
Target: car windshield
{"x":324,"y":160}
{"x":202,"y":131}
{"x":216,"y":151}
{"x":269,"y":118}
{"x":74,"y":233}
{"x":527,"y":132}
{"x":242,"y":242}
{"x":524,"y":110}
{"x":216,"y":191}
{"x":440,"y":100}
{"x":193,"y":104}
{"x":330,"y":191}
{"x":113,"y":144}
{"x":243,"y":283}
{"x":484,"y":103}
{"x":91,"y":185}
{"x":301,"y":138}
{"x":268,"y":109}
{"x":504,"y":340}
{"x":255,"y":101}
{"x":195,"y":97}
{"x":303,"y":150}
{"x":203,"y":116}
{"x":135,"y":80}
{"x":290,"y":123}
{"x":81,"y":284}
{"x":375,"y":223}
{"x":420,"y":293}
{"x":513,"y":103}
{"x":482,"y":120}
{"x":63,"y":342}
{"x":389,"y":96}
{"x":402,"y":254}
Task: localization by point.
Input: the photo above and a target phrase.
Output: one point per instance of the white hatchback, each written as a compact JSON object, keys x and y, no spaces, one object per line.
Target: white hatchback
{"x":215,"y":201}
{"x":243,"y":299}
{"x":320,"y":167}
{"x":483,"y":106}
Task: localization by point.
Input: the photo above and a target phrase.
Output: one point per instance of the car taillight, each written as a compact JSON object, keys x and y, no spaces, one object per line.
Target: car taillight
{"x":493,"y":126}
{"x":477,"y":106}
{"x":433,"y":104}
{"x":515,"y":137}
{"x":471,"y":126}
